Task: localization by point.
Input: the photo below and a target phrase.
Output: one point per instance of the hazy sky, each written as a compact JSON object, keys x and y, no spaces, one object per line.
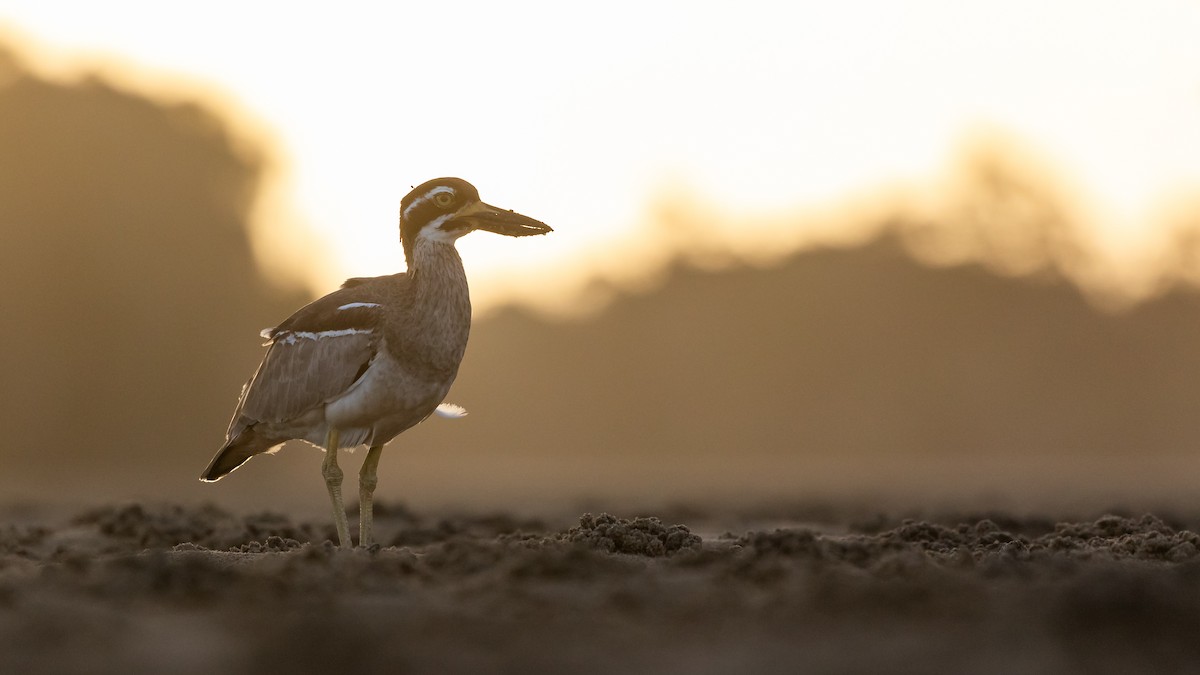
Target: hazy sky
{"x":585,"y":115}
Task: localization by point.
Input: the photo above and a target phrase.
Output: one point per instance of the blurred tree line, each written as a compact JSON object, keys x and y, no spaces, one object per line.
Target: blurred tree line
{"x":947,"y":352}
{"x":128,"y":287}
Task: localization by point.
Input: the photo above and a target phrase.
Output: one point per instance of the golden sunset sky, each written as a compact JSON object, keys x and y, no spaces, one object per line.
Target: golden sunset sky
{"x":590,"y":116}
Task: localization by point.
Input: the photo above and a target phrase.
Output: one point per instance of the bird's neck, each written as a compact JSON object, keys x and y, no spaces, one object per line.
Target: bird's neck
{"x":440,"y":313}
{"x":437,"y":274}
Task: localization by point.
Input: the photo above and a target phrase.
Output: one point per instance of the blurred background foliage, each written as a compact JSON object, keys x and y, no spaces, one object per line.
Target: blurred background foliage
{"x":962,"y":344}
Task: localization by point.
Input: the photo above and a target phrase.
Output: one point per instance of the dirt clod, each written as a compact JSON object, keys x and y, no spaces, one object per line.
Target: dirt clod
{"x":640,"y":536}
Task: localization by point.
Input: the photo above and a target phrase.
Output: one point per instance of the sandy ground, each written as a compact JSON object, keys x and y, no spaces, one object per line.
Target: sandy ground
{"x":166,"y":588}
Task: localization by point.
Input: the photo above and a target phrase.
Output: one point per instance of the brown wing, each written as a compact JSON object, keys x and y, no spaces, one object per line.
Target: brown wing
{"x":315,"y":355}
{"x":305,"y":369}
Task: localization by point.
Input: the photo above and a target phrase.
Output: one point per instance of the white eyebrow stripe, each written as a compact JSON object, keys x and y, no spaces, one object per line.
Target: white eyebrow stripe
{"x":353,"y":305}
{"x":426,"y":197}
{"x":290,"y":337}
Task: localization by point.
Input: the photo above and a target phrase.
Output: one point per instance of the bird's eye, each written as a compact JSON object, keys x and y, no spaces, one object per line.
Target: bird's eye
{"x":443,"y":199}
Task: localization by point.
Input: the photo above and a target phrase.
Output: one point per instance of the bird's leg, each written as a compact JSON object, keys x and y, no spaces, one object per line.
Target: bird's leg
{"x":366,"y":494}
{"x":333,"y":481}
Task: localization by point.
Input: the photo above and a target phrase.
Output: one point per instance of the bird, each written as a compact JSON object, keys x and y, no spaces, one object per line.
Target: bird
{"x":373,"y":358}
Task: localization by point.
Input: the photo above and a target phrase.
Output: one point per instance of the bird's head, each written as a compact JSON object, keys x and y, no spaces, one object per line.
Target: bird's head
{"x":445,"y":209}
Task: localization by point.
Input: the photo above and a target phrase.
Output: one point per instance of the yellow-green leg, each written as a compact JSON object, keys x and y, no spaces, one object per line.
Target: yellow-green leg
{"x":366,"y":495}
{"x":333,"y":481}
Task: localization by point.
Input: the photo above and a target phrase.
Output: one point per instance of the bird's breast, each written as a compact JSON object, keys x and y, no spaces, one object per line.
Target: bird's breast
{"x":430,"y":337}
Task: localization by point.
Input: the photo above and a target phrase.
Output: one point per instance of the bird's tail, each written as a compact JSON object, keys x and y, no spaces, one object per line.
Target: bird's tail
{"x":235,"y":452}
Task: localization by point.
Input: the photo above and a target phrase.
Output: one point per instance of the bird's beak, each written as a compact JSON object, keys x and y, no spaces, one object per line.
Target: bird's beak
{"x":481,"y":216}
